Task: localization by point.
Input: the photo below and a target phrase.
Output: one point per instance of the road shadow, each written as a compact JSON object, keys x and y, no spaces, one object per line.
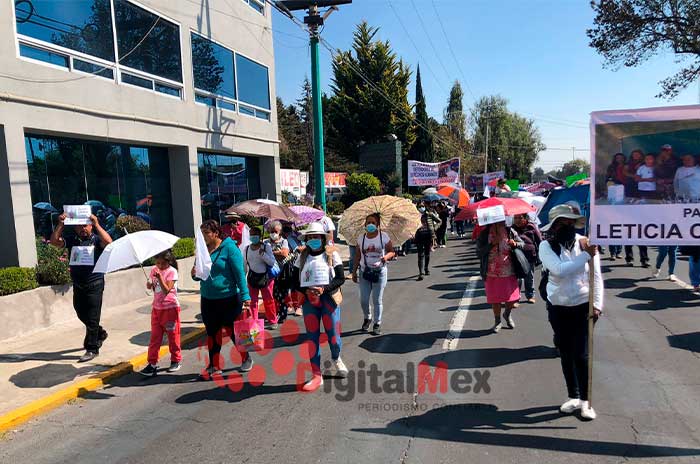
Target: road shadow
{"x":144,"y":338}
{"x":402,"y":343}
{"x":654,"y":299}
{"x":480,"y":358}
{"x":50,"y":375}
{"x":455,"y":423}
{"x":689,"y":341}
{"x":41,"y":356}
{"x":621,"y":283}
{"x":221,"y":391}
{"x":472,"y":307}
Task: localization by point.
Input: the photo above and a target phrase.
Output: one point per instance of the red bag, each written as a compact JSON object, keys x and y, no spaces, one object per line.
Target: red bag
{"x":249,"y":333}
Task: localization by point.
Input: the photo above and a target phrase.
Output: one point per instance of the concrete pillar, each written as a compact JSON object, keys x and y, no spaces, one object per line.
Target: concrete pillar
{"x":270,"y":178}
{"x":184,"y":187}
{"x":16,"y":221}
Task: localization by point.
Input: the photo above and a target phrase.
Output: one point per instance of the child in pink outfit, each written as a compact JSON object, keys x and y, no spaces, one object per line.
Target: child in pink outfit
{"x":165,"y":316}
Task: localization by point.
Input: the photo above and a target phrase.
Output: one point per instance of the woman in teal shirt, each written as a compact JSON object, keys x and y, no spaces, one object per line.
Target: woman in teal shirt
{"x":224,"y":295}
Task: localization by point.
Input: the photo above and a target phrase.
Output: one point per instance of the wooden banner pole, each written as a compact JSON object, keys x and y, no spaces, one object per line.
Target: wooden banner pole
{"x":591,"y":312}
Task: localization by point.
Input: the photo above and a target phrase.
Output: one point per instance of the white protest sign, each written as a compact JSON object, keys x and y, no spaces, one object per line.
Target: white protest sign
{"x":316,"y":273}
{"x":77,"y":215}
{"x":491,"y":215}
{"x":202,"y":258}
{"x":82,"y":256}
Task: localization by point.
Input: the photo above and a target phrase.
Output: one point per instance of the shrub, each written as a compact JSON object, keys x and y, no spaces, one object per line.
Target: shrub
{"x":362,"y":185}
{"x":335,"y":208}
{"x":17,"y":279}
{"x":251,"y":221}
{"x":52,"y":264}
{"x":184,"y":248}
{"x":131,"y":224}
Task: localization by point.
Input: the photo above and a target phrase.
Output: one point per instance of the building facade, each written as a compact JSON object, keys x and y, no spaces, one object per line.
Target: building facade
{"x":159,"y":109}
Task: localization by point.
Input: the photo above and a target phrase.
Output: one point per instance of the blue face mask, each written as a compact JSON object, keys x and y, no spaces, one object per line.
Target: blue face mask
{"x":421,"y":210}
{"x":315,"y":244}
{"x":254,"y":239}
{"x":371,"y":228}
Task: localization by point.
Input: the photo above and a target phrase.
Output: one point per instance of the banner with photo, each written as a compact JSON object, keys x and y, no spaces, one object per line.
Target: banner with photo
{"x":646,"y":176}
{"x":335,"y":179}
{"x":478,"y":182}
{"x":432,"y":174}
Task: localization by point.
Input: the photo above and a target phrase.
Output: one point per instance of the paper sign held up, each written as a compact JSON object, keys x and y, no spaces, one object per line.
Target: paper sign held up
{"x":77,"y":215}
{"x":491,"y":215}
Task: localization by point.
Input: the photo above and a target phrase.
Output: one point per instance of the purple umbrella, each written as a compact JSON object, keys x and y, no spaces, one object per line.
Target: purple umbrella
{"x":306,"y":214}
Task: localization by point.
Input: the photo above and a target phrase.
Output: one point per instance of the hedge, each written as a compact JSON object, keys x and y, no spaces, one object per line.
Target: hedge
{"x":184,"y":248}
{"x":52,"y":264}
{"x":17,"y":279}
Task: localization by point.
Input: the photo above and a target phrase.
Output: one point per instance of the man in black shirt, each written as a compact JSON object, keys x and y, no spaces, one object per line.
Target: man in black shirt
{"x":84,"y":249}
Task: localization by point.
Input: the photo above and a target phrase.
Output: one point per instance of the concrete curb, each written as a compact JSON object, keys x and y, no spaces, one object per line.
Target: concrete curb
{"x":78,"y":389}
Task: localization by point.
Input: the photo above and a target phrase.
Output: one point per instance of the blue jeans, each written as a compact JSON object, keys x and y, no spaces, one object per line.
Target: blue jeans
{"x":330,"y":317}
{"x":376,"y":292}
{"x":353,"y":250}
{"x":669,"y":251}
{"x":694,"y":270}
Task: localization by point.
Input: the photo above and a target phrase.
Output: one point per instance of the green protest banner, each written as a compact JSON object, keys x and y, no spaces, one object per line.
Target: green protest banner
{"x":514,"y":184}
{"x":571,"y":180}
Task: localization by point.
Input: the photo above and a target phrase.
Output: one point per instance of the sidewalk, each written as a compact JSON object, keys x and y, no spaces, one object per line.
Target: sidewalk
{"x":43,"y":363}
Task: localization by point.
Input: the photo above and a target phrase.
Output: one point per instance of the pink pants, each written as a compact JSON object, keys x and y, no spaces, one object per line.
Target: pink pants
{"x":168,"y":321}
{"x":268,"y":300}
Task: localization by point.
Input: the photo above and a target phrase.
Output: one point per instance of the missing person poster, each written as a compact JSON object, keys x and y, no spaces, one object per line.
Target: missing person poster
{"x":433,"y":174}
{"x":646,"y":188}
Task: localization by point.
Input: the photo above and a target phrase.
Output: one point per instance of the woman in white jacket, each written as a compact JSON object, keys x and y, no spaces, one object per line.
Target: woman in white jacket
{"x":565,"y":255}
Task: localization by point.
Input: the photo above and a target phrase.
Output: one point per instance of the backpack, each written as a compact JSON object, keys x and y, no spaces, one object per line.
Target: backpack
{"x":544,"y":279}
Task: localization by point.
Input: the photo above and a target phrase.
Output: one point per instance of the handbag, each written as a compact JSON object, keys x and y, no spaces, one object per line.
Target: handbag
{"x":249,"y":333}
{"x":256,"y":279}
{"x":274,"y":271}
{"x":521,"y":265}
{"x":372,"y":275}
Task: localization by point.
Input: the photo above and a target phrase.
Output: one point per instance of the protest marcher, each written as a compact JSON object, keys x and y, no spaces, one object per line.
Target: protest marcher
{"x":432,"y":219}
{"x":444,"y":215}
{"x":233,"y":227}
{"x":165,"y":313}
{"x":459,"y":224}
{"x":424,"y":243}
{"x":664,"y":251}
{"x":693,"y":254}
{"x":686,"y":182}
{"x":374,"y":251}
{"x":296,"y":246}
{"x":224,"y":296}
{"x":636,"y":160}
{"x":664,"y":172}
{"x":319,"y":274}
{"x":643,"y":255}
{"x":531,"y":237}
{"x":502,"y":186}
{"x":259,"y":258}
{"x":85,"y":247}
{"x":495,"y":247}
{"x":646,"y":178}
{"x":565,"y":256}
{"x":283,"y":282}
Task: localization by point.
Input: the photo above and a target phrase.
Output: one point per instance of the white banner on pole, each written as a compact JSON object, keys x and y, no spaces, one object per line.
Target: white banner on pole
{"x":427,"y":174}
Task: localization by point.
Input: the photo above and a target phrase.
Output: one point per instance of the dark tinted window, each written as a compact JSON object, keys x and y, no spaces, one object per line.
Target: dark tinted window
{"x":225,"y":180}
{"x":253,"y":82}
{"x":136,"y":80}
{"x":43,"y":55}
{"x":212,"y":67}
{"x":81,"y":25}
{"x":209,"y":101}
{"x":92,"y":68}
{"x":159,"y":49}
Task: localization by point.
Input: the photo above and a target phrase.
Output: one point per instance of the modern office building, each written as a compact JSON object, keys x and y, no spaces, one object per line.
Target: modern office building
{"x":162,"y":109}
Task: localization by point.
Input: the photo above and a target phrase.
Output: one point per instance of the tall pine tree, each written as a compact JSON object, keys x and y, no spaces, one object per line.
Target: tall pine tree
{"x":422,"y":149}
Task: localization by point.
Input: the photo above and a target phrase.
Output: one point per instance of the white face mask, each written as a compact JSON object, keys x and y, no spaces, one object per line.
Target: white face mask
{"x":275,"y":236}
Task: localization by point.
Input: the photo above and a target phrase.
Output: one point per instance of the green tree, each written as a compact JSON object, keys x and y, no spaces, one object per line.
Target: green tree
{"x":362,"y":185}
{"x":455,"y":120}
{"x":357,"y":111}
{"x":576,"y":166}
{"x":293,"y":150}
{"x":630,"y":32}
{"x":513,"y":141}
{"x":538,"y":175}
{"x":422,"y":148}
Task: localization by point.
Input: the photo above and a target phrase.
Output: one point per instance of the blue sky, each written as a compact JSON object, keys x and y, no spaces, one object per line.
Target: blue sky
{"x":535,"y":53}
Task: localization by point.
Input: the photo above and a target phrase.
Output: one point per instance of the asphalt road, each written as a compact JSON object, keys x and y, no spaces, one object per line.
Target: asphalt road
{"x":646,"y":388}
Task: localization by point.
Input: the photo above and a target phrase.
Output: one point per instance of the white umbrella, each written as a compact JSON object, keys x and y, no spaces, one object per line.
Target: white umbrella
{"x":430,"y":190}
{"x":133,"y":249}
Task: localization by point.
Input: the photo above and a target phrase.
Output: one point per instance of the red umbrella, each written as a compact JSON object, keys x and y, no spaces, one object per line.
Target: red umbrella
{"x":512,"y":207}
{"x":456,"y":194}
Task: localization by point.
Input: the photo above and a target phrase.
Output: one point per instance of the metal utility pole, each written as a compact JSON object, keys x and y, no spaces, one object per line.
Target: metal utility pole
{"x":486,"y":158}
{"x":315,"y":20}
{"x":573,"y":153}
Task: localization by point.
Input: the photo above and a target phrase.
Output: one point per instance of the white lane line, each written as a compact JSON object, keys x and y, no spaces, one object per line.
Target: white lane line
{"x":459,"y":320}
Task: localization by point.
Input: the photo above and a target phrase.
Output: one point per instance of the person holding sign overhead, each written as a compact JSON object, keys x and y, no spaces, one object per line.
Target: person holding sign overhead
{"x":84,"y":249}
{"x":318,"y":273}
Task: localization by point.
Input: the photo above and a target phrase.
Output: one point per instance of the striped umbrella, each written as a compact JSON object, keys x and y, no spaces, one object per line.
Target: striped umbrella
{"x":456,"y":194}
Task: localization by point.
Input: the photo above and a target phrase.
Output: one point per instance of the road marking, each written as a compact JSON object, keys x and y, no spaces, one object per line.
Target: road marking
{"x":459,"y":320}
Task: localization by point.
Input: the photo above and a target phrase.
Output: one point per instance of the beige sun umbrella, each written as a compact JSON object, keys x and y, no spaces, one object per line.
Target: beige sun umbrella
{"x":399,"y":218}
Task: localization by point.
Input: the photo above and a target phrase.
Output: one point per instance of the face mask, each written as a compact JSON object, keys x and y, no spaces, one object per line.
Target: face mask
{"x":315,"y":244}
{"x":566,"y":234}
{"x":371,"y":228}
{"x":421,"y":210}
{"x":254,"y":239}
{"x":274,"y":236}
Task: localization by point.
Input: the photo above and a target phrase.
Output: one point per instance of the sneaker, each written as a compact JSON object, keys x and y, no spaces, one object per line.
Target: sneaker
{"x":612,"y":258}
{"x":420,"y":277}
{"x":340,"y":369}
{"x":314,"y":384}
{"x":149,"y":371}
{"x":587,"y":411}
{"x":102,"y":337}
{"x":377,"y":329}
{"x":209,"y":374}
{"x":273,"y":326}
{"x":88,"y":356}
{"x":672,"y":277}
{"x":655,"y":273}
{"x":630,"y":264}
{"x":618,"y":256}
{"x":571,"y":405}
{"x":497,"y":327}
{"x":645,"y":264}
{"x":532,"y":300}
{"x":175,"y":366}
{"x":510,"y":323}
{"x":696,"y":289}
{"x":298,"y":312}
{"x":247,"y":364}
{"x":366,"y":324}
{"x":427,"y":272}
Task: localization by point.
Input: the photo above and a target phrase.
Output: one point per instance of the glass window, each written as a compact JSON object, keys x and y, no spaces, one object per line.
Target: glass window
{"x":167,"y":89}
{"x":81,"y":25}
{"x":212,"y":67}
{"x":43,"y":55}
{"x":262,"y":115}
{"x":258,"y":6}
{"x":226,"y":105}
{"x":225,"y":180}
{"x":253,"y":82}
{"x":92,"y":68}
{"x":246,"y":110}
{"x":138,"y":81}
{"x":209,"y":101}
{"x":147,"y":42}
{"x":115,"y":179}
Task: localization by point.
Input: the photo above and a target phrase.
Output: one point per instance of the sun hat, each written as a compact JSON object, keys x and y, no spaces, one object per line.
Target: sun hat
{"x":315,"y":228}
{"x":566,"y":211}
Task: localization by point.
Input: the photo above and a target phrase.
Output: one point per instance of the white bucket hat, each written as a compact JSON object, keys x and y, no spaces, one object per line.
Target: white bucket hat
{"x":315,"y":228}
{"x":566,"y":211}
